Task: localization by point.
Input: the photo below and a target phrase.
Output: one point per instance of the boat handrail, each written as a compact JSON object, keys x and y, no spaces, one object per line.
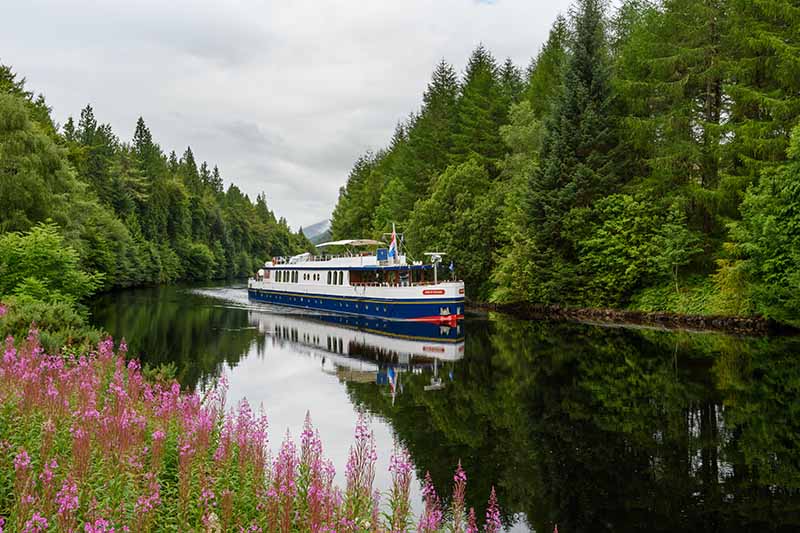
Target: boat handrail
{"x":386,"y":284}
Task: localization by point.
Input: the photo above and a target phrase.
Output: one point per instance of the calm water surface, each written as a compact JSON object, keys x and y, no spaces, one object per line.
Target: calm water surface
{"x":587,"y":427}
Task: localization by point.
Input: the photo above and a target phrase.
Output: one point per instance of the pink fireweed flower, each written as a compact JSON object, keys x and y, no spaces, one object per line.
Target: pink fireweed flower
{"x":99,"y":526}
{"x":67,"y":497}
{"x":47,"y":472}
{"x":431,"y":517}
{"x":472,"y":523}
{"x":459,"y":493}
{"x":10,"y":354}
{"x":401,"y":469}
{"x":310,"y":443}
{"x":3,"y":311}
{"x":493,"y":523}
{"x":22,"y":461}
{"x":36,"y":524}
{"x":360,"y":469}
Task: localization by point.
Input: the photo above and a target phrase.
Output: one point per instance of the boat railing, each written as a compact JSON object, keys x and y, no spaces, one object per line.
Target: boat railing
{"x":387,"y":284}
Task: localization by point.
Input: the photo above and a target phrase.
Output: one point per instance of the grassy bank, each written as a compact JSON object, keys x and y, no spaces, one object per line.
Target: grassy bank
{"x":87,"y":443}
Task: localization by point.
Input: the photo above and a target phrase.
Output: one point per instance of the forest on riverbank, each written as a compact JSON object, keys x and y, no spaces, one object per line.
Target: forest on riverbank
{"x":84,"y":211}
{"x":643,"y":160}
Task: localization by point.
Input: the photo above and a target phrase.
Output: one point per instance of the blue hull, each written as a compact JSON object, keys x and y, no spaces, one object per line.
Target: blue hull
{"x":446,"y":309}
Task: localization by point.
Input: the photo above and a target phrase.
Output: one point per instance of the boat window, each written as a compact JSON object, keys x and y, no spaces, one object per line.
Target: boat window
{"x":329,"y":277}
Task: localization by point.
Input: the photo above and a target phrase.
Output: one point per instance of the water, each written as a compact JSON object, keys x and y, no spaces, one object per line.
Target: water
{"x":588,"y":427}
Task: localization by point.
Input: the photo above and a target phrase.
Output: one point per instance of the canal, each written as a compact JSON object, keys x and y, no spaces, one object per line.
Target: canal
{"x":588,"y":427}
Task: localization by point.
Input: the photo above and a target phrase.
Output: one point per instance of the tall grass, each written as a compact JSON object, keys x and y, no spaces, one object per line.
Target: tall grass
{"x":87,"y":443}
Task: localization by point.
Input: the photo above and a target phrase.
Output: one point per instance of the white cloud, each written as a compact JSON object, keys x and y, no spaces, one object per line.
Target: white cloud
{"x":283,"y":96}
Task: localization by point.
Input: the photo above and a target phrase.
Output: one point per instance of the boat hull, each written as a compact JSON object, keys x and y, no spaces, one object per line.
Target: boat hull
{"x":440,"y":310}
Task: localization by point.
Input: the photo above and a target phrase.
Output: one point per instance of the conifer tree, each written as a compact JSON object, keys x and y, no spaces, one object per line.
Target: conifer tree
{"x":576,"y":167}
{"x":671,"y":75}
{"x":546,"y":71}
{"x":511,"y":81}
{"x":188,"y":169}
{"x":216,"y":180}
{"x":205,"y":174}
{"x":481,"y":112}
{"x":763,"y":81}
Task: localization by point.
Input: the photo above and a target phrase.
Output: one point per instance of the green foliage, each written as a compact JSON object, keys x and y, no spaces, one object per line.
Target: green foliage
{"x":129,"y":212}
{"x":458,"y":219}
{"x":576,"y":164}
{"x":523,"y":136}
{"x":625,"y":174}
{"x":766,"y":242}
{"x":59,"y":324}
{"x":38,"y":263}
{"x":546,"y":71}
{"x":624,"y":242}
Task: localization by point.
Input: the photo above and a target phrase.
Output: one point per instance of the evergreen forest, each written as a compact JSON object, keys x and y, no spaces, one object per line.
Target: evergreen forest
{"x":82,"y":211}
{"x":647,"y":158}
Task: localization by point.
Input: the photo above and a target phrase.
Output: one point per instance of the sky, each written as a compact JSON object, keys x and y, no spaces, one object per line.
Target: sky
{"x":283,"y":96}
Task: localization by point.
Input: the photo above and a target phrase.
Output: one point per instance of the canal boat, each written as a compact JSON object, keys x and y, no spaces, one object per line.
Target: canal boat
{"x":382,"y":283}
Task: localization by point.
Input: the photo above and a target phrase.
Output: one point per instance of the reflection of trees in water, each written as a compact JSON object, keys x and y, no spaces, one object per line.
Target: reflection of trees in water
{"x":596,"y":429}
{"x":164,"y":325}
{"x":610,"y":429}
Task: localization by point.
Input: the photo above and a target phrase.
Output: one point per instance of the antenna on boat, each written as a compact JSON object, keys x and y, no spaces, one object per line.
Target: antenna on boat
{"x":436,"y":258}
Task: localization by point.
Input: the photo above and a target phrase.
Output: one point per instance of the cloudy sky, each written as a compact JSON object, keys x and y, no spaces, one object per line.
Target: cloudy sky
{"x":283,"y":96}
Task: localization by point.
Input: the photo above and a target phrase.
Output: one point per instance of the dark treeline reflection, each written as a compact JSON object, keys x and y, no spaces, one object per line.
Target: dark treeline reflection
{"x":599,"y":429}
{"x":195,"y":332}
{"x":590,"y":428}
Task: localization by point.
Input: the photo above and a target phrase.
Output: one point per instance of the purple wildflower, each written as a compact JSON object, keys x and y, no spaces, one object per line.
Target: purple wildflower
{"x":493,"y":523}
{"x":22,"y":461}
{"x":36,"y":524}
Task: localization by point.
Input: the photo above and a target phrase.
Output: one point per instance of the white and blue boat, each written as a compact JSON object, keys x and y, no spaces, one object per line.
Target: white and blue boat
{"x":381,"y":283}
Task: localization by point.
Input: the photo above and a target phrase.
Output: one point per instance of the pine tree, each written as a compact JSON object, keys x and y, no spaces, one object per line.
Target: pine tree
{"x":763,"y":81}
{"x":97,"y":145}
{"x":545,"y":74}
{"x":151,"y":164}
{"x":432,"y":136}
{"x":188,"y":169}
{"x":511,"y":82}
{"x":205,"y":174}
{"x":481,"y":112}
{"x":671,"y":76}
{"x":216,"y":180}
{"x":576,"y":167}
{"x":172,"y":162}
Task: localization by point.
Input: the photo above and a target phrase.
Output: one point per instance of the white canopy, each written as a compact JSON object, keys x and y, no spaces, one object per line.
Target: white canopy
{"x":352,"y":242}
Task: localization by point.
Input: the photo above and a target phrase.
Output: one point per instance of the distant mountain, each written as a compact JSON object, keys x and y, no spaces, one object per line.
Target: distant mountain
{"x":319,"y":232}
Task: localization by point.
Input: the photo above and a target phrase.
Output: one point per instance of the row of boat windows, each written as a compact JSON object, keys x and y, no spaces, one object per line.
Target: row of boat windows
{"x":293,"y":276}
{"x":342,"y":305}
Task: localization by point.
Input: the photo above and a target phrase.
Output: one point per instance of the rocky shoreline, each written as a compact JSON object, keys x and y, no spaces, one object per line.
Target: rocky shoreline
{"x":674,"y":321}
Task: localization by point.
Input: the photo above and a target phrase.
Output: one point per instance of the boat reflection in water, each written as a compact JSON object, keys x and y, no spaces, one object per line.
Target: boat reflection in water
{"x":366,"y":349}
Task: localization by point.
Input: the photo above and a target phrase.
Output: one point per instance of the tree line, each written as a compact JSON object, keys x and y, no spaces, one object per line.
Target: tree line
{"x":82,"y":211}
{"x":643,"y":159}
{"x":134,"y":214}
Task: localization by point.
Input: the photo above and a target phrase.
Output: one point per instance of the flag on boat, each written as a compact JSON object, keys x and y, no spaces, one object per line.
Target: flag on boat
{"x":452,"y":267}
{"x":393,"y":244}
{"x":392,"y":379}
